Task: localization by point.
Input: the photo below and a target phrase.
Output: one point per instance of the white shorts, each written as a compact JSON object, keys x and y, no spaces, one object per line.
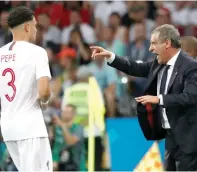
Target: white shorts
{"x":31,"y":154}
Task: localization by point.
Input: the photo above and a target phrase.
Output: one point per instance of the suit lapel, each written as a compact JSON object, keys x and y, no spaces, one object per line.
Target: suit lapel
{"x":175,"y":70}
{"x":172,"y":78}
{"x":152,"y":77}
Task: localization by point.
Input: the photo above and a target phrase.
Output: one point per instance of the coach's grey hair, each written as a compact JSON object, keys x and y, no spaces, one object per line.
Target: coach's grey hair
{"x":168,"y":32}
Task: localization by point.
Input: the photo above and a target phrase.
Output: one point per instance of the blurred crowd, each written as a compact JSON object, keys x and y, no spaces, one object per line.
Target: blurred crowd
{"x":66,"y":30}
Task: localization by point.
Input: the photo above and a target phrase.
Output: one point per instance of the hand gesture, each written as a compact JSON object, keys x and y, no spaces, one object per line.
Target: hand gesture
{"x":147,"y":99}
{"x":100,"y":52}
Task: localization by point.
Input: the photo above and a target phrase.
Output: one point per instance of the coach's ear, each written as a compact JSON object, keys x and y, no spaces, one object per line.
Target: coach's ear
{"x":168,"y":44}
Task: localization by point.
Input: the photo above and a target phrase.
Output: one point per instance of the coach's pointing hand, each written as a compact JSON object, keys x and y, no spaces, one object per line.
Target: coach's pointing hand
{"x":100,"y":52}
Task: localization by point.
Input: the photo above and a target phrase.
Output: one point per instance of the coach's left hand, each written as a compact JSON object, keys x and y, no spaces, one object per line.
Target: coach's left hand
{"x":147,"y":99}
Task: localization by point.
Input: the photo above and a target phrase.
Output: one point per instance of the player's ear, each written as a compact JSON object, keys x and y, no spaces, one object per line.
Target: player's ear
{"x":27,"y":26}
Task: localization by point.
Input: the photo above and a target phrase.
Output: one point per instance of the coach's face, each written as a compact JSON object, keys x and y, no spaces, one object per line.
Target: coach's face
{"x":159,"y":48}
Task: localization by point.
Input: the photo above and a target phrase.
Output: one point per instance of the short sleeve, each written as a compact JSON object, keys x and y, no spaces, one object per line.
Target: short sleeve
{"x":42,"y":65}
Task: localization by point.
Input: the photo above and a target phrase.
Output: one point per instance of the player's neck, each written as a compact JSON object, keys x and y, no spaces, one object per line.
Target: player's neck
{"x":20,"y":38}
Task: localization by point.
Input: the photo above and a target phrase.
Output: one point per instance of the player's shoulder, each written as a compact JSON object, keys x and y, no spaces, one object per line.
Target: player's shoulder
{"x":36,"y":51}
{"x":24,"y":45}
{"x":35,"y":47}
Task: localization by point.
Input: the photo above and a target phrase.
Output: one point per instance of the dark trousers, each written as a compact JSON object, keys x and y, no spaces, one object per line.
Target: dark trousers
{"x":177,"y":160}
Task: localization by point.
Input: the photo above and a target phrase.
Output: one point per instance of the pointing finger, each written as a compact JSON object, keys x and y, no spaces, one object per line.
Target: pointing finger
{"x":96,"y":47}
{"x":93,"y":53}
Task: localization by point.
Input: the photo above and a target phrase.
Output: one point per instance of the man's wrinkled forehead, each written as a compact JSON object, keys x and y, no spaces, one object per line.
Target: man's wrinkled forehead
{"x":155,"y":36}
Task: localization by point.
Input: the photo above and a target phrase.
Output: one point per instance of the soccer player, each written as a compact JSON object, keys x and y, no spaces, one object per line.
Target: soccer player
{"x":24,"y":80}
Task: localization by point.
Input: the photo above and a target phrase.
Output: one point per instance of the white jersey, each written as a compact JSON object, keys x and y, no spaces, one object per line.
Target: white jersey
{"x":21,"y":65}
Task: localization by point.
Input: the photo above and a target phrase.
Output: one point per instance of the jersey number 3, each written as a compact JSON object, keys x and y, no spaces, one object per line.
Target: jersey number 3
{"x":10,"y":83}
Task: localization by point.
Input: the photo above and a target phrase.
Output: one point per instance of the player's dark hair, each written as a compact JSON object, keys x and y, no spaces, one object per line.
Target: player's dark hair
{"x":19,"y":15}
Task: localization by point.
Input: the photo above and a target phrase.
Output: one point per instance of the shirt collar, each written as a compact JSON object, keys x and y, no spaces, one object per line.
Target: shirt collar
{"x":172,"y":61}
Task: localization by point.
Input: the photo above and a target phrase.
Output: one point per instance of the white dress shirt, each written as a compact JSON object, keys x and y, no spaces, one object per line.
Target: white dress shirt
{"x":171,"y":62}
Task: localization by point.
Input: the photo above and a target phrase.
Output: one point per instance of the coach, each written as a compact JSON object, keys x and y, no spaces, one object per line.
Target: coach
{"x":168,"y":108}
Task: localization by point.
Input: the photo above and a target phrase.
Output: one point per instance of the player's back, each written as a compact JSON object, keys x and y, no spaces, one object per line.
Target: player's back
{"x":21,"y":115}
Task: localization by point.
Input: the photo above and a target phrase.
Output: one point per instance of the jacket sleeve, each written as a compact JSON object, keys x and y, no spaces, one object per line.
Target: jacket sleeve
{"x":131,"y":67}
{"x":188,"y":96}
